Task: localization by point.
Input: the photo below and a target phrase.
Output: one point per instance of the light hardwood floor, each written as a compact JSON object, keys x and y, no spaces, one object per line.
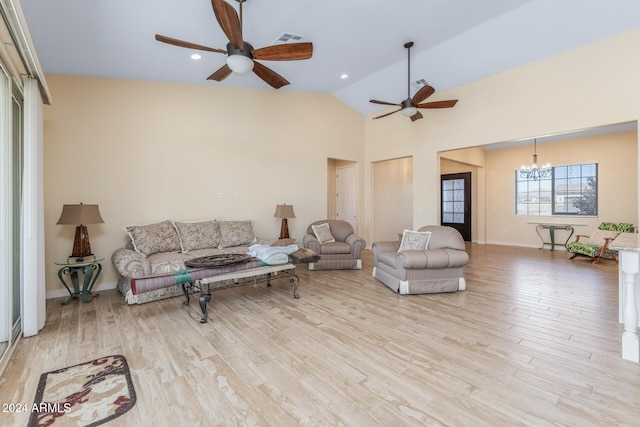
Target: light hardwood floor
{"x":534,"y":340}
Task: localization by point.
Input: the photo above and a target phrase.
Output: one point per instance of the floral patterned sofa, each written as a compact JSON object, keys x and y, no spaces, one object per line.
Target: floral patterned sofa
{"x":152,"y":264}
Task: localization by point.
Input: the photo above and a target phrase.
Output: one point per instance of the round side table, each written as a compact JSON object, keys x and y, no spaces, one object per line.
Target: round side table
{"x":90,"y":268}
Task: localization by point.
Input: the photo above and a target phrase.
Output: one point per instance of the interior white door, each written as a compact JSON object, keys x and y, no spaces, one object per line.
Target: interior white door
{"x":346,"y":195}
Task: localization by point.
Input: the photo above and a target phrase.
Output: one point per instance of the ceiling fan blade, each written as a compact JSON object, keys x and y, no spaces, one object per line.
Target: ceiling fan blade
{"x":188,"y":45}
{"x":284,"y":52}
{"x":438,"y":104}
{"x":270,"y":77}
{"x":388,"y":114}
{"x":416,"y":116}
{"x":229,"y":22}
{"x":220,"y":74}
{"x":422,"y":94}
{"x":375,"y":101}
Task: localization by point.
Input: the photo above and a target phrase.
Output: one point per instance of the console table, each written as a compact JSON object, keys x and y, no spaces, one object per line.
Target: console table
{"x":628,"y":247}
{"x":552,"y":227}
{"x":90,"y":268}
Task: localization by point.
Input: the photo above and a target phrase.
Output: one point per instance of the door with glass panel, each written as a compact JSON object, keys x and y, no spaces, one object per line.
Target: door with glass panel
{"x":456,"y":202}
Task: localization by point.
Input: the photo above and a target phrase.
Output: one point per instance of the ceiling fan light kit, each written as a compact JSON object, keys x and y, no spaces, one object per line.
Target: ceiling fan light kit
{"x":409,"y":111}
{"x":239,"y":64}
{"x":241,"y":55}
{"x":240,"y":61}
{"x":410,"y":106}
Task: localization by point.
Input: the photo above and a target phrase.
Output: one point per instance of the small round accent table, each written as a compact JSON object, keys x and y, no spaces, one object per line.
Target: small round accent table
{"x":90,"y":268}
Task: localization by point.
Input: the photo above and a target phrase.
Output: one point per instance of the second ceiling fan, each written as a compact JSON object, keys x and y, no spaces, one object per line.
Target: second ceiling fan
{"x":241,"y":54}
{"x":410,"y":106}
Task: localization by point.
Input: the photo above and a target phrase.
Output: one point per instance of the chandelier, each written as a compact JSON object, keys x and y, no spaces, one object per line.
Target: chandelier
{"x":534,"y":171}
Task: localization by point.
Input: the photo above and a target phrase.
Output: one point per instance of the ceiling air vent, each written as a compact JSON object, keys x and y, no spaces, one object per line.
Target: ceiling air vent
{"x":417,"y":84}
{"x":288,"y":38}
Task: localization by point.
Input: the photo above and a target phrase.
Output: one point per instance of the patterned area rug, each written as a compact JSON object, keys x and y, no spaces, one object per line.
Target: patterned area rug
{"x":88,"y":394}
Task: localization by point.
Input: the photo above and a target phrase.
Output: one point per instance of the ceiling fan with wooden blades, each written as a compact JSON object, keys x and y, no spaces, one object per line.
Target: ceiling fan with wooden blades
{"x":410,"y":106}
{"x":241,"y":54}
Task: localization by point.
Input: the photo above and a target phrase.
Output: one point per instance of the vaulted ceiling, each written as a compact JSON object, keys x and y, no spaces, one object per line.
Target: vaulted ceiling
{"x":456,"y":41}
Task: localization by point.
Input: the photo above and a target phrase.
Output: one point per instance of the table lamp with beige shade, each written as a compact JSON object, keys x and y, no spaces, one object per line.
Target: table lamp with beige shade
{"x":284,"y":211}
{"x":80,"y":215}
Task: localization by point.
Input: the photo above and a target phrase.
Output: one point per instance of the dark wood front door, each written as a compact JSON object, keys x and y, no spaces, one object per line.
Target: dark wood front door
{"x":456,"y":202}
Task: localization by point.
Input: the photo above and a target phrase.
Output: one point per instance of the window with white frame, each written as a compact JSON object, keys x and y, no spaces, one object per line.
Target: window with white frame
{"x":570,"y":190}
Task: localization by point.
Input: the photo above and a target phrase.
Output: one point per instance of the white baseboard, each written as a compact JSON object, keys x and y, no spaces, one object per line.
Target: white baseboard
{"x":520,"y":245}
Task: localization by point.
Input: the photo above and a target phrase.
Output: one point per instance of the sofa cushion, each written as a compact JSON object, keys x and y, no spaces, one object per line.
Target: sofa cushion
{"x":235,"y":233}
{"x":335,"y":248}
{"x":598,"y":237}
{"x":621,"y":227}
{"x":414,"y":240}
{"x":149,"y":239}
{"x":582,"y":248}
{"x":323,"y":233}
{"x":167,"y":262}
{"x":198,"y":235}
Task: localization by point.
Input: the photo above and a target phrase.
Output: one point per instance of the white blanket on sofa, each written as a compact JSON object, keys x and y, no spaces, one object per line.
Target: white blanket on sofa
{"x":272,"y":255}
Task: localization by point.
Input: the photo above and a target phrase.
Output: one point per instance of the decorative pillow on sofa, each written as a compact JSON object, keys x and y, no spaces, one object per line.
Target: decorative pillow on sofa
{"x":153,"y":238}
{"x":198,"y":235}
{"x":235,"y":233}
{"x":323,"y":233}
{"x":414,"y":240}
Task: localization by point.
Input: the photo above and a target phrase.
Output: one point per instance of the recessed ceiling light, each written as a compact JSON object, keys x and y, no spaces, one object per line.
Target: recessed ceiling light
{"x":344,"y":76}
{"x":196,"y":56}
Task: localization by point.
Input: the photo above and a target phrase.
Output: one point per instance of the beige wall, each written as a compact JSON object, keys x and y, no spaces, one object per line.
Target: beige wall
{"x":616,"y":155}
{"x":147,"y":151}
{"x":493,"y":199}
{"x":591,"y":86}
{"x":493,"y":207}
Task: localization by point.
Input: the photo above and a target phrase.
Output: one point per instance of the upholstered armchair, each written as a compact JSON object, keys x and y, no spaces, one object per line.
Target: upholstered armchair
{"x":430,"y":260}
{"x":596,"y":246}
{"x":336,"y":243}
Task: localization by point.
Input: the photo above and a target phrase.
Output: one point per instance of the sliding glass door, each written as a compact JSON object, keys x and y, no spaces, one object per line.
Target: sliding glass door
{"x":16,"y":231}
{"x":6,"y":209}
{"x":11,"y":173}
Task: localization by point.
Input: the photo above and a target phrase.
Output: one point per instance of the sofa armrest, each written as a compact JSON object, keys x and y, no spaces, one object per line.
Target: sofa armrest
{"x":130,"y":263}
{"x":311,"y":242}
{"x":432,"y":258}
{"x":357,"y":244}
{"x":385,"y":247}
{"x":379,"y":247}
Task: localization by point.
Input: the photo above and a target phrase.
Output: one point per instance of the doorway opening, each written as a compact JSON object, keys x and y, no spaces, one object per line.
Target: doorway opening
{"x":392,"y":198}
{"x":342,"y":191}
{"x":455,"y":194}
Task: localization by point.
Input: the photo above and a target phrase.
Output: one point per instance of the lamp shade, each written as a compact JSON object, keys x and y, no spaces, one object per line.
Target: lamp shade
{"x":409,"y":111}
{"x":240,"y":63}
{"x":284,"y":211}
{"x":80,"y":214}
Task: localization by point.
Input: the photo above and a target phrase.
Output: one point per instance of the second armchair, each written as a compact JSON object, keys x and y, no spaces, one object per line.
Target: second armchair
{"x":336,"y":243}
